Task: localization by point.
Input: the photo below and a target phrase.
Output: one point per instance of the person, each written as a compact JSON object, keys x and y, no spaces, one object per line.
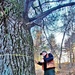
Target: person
{"x":47,"y":63}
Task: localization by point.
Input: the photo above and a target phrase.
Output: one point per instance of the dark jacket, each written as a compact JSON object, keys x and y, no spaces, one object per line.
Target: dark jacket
{"x":47,"y":59}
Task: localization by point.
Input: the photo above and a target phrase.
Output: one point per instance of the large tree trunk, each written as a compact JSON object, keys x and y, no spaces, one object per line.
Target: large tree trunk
{"x":17,"y":56}
{"x":16,"y":53}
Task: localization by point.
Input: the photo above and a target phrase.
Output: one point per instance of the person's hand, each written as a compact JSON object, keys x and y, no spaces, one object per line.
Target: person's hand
{"x":35,"y":61}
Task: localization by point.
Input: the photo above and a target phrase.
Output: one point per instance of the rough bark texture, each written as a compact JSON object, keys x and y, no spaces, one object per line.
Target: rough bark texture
{"x":17,"y":50}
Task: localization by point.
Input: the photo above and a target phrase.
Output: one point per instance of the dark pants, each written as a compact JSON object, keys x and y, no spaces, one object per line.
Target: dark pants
{"x":49,"y":72}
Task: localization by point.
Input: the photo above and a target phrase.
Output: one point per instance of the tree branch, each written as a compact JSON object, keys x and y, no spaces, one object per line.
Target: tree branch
{"x":44,"y":14}
{"x":47,"y":2}
{"x":27,"y":5}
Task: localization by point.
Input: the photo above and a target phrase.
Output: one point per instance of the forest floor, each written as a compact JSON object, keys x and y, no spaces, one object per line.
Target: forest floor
{"x":66,"y":69}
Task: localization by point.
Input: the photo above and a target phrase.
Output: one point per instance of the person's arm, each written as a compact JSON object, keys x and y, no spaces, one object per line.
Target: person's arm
{"x":39,"y":62}
{"x":50,"y":58}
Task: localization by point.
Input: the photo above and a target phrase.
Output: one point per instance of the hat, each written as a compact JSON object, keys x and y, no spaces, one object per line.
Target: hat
{"x":43,"y":52}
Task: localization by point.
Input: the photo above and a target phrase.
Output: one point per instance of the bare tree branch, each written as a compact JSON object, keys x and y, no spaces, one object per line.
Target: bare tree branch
{"x":44,"y":14}
{"x":27,"y":5}
{"x":47,"y":2}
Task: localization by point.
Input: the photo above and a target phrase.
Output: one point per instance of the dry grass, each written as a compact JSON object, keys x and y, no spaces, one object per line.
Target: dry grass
{"x":65,"y":70}
{"x":39,"y":71}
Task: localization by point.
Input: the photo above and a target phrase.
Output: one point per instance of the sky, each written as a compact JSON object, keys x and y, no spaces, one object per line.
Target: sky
{"x":58,"y":38}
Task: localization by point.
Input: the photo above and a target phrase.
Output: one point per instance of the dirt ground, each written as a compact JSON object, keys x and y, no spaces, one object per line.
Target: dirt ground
{"x":65,"y":70}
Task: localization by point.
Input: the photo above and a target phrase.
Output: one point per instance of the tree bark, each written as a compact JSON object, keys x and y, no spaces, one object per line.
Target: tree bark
{"x":17,"y":47}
